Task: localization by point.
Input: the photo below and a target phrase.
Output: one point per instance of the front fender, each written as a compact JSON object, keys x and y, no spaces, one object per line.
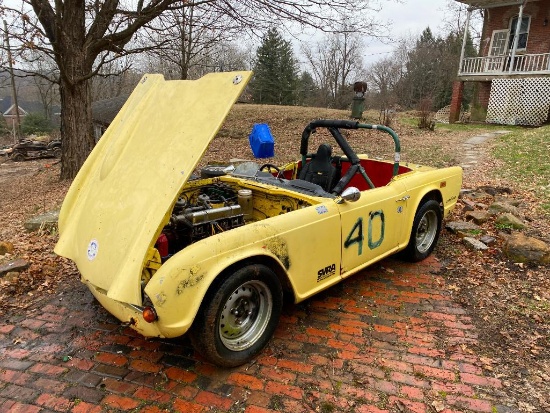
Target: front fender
{"x":179,"y":286}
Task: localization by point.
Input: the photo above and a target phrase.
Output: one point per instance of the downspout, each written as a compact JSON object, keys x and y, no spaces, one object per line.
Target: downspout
{"x":462,"y":51}
{"x":516,"y":37}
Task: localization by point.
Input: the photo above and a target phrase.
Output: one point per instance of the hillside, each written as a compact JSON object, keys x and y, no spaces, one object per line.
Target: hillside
{"x":287,"y":124}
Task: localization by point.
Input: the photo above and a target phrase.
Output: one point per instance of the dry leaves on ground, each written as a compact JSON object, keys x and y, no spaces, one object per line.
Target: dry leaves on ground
{"x":508,"y":302}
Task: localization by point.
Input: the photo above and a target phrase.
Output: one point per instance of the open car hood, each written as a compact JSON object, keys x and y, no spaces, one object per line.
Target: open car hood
{"x":127,"y":186}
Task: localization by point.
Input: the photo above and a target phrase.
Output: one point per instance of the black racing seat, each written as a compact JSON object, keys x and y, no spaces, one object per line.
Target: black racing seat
{"x":320,"y":170}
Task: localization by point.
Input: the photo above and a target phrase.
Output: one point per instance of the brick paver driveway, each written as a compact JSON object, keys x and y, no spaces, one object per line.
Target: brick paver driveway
{"x":389,"y":339}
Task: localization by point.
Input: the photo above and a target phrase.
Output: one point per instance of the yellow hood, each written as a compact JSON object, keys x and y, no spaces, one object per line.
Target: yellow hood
{"x":127,"y":186}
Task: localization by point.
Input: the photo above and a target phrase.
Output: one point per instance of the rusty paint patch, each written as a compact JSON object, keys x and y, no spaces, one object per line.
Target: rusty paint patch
{"x":279,"y":248}
{"x":160,"y":299}
{"x":189,"y":282}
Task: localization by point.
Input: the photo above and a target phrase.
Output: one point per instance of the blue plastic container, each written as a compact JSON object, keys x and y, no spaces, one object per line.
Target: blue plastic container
{"x":261,"y":141}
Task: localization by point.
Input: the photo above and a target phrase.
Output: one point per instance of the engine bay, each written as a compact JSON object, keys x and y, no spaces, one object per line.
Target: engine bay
{"x":209,"y":207}
{"x":199,"y":214}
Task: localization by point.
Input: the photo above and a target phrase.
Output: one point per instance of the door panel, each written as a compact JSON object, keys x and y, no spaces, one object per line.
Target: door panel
{"x":372,"y":226}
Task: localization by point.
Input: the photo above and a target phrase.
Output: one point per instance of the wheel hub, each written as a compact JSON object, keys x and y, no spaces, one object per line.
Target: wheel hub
{"x":241,"y":311}
{"x":427,"y":231}
{"x":245,"y":315}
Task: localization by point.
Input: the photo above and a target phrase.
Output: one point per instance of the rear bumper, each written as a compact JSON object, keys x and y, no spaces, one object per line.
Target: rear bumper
{"x":126,"y":313}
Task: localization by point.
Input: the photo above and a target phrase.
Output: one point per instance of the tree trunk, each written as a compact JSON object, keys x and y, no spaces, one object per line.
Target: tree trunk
{"x":75,"y":62}
{"x":76,"y":126}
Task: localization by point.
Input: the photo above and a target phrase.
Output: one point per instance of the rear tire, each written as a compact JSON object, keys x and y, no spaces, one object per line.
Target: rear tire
{"x":238,"y":316}
{"x":425,"y":231}
{"x":18,"y":157}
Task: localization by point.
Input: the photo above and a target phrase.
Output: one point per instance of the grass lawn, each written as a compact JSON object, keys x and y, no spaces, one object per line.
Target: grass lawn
{"x":524,"y":153}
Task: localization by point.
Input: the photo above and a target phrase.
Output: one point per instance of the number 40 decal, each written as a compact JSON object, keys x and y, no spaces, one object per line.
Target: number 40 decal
{"x":356,"y":235}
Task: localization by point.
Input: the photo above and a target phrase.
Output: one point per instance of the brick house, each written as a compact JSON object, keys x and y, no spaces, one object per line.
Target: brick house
{"x":513,"y":72}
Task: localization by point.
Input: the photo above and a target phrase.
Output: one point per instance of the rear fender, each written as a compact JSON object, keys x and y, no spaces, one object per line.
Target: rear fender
{"x":443,"y":186}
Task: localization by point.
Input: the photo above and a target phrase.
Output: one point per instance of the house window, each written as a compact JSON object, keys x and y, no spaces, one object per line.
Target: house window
{"x":523,"y":32}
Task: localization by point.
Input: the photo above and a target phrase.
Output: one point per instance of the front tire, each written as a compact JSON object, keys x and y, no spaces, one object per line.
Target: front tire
{"x":238,"y":316}
{"x":425,"y":231}
{"x":18,"y":157}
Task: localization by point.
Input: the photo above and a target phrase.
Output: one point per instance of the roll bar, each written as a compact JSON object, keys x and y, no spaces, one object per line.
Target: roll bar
{"x":334,"y":127}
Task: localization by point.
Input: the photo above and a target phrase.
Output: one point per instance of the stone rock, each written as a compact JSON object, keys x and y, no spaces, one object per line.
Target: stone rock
{"x":506,"y":200}
{"x":463,"y":228}
{"x":45,"y":221}
{"x":487,"y":240}
{"x":504,"y":234}
{"x":501,"y":208}
{"x":521,"y":248}
{"x":469,"y":203}
{"x":477,"y":195}
{"x":474,"y":244}
{"x":491,"y":190}
{"x":6,"y":247}
{"x":465,"y":191}
{"x":17,"y":265}
{"x":509,"y":220}
{"x":479,"y":217}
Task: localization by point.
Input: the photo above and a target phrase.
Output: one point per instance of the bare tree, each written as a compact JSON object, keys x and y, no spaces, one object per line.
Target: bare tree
{"x":382,"y":77}
{"x":118,"y":77}
{"x":335,"y":62}
{"x":82,"y":36}
{"x":43,"y":77}
{"x":455,"y":20}
{"x":194,"y":40}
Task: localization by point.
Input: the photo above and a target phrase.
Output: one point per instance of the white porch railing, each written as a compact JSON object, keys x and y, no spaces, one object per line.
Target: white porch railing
{"x":500,"y":65}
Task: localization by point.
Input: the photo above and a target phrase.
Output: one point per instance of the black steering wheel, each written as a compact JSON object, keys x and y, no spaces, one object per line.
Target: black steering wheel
{"x":269,"y":166}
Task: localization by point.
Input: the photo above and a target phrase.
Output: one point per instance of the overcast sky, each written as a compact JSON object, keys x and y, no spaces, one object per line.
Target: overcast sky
{"x":410,"y":17}
{"x":415,"y":15}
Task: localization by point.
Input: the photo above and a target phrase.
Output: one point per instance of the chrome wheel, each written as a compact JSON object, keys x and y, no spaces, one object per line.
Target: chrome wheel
{"x":427,"y":231}
{"x":245,"y":315}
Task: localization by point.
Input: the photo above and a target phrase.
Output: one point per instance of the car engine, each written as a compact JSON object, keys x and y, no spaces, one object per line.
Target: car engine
{"x":211,"y":210}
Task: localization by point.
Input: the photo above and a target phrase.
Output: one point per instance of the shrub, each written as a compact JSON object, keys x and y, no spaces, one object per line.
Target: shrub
{"x":35,"y":123}
{"x":425,"y":114}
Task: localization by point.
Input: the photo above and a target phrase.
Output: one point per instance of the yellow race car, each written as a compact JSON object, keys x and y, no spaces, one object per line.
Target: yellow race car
{"x":169,"y":253}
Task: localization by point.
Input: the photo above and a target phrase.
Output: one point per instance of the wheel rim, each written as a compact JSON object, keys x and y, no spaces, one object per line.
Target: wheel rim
{"x":245,"y":315}
{"x":426,"y":232}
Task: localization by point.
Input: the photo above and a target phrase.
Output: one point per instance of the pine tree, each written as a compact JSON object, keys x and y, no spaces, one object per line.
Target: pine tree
{"x":307,"y":91}
{"x":431,"y":69}
{"x":275,"y":72}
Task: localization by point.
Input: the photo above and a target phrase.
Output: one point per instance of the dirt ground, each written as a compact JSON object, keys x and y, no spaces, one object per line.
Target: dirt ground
{"x":507,"y":302}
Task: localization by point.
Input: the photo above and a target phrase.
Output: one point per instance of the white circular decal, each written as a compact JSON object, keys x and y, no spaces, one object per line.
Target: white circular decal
{"x":93,"y":248}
